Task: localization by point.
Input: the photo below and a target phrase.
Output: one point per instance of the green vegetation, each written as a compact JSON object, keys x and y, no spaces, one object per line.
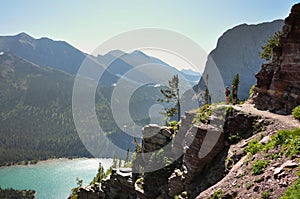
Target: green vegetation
{"x":267,"y":49}
{"x":36,"y":118}
{"x":289,"y":140}
{"x":253,"y":147}
{"x":293,"y":191}
{"x":207,"y":96}
{"x":236,"y":81}
{"x":258,"y":166}
{"x":159,"y":156}
{"x":173,"y":124}
{"x":140,"y":182}
{"x":35,"y":113}
{"x":234,"y":138}
{"x":217,"y":195}
{"x":75,"y":190}
{"x":249,"y":185}
{"x":251,"y":90}
{"x":12,"y":193}
{"x":100,"y":175}
{"x":296,"y":112}
{"x":265,"y":194}
{"x":235,"y":88}
{"x":171,"y":95}
{"x":203,"y":114}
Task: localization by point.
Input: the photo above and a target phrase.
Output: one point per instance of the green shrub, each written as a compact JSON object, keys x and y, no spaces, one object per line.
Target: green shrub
{"x":289,"y":140}
{"x":234,"y":138}
{"x":293,"y":191}
{"x":203,"y":114}
{"x":253,"y":147}
{"x":296,"y":112}
{"x":217,"y":195}
{"x":248,"y":186}
{"x":258,"y":166}
{"x":251,"y":90}
{"x":265,"y":195}
{"x":173,"y":124}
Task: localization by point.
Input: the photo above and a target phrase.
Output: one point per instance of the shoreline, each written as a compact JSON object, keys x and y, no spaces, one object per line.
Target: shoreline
{"x":51,"y":160}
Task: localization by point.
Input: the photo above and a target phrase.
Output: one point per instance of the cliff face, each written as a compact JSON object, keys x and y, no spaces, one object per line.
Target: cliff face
{"x":237,"y":51}
{"x":278,"y":82}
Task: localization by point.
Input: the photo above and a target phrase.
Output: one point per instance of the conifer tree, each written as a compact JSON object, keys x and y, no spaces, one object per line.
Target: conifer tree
{"x":171,"y":94}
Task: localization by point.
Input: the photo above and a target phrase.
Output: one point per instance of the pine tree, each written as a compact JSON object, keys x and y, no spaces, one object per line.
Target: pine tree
{"x":115,"y":162}
{"x":127,"y":157}
{"x":236,"y":81}
{"x":171,"y":95}
{"x":207,"y":97}
{"x":267,"y":50}
{"x":235,"y":87}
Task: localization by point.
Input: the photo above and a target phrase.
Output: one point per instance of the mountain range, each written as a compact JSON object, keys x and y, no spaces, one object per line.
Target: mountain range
{"x":37,"y":76}
{"x":62,"y":56}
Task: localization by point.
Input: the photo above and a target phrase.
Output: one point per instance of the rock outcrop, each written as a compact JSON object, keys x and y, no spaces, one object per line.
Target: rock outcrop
{"x":278,"y":82}
{"x":237,"y":51}
{"x":155,"y":137}
{"x":118,"y":185}
{"x":198,"y":138}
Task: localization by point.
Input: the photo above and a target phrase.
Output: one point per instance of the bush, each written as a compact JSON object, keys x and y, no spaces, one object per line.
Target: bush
{"x":289,"y":140}
{"x":253,"y":147}
{"x":251,"y":90}
{"x":173,"y":124}
{"x":296,"y":112}
{"x":293,"y":191}
{"x":203,"y":114}
{"x":258,"y":166}
{"x":218,"y":194}
{"x":265,"y":195}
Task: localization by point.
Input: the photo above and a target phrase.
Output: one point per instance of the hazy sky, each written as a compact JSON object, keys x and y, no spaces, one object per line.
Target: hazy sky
{"x":86,"y":24}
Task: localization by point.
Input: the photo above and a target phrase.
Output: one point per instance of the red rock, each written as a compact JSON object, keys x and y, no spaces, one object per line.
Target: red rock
{"x":278,"y":82}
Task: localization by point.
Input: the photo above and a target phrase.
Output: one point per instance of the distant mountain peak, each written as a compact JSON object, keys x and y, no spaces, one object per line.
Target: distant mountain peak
{"x":116,"y":53}
{"x":138,"y":52}
{"x":24,"y":35}
{"x":24,"y":38}
{"x":190,"y":72}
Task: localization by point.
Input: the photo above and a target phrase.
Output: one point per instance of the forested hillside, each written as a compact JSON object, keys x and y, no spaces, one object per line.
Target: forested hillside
{"x":36,"y":119}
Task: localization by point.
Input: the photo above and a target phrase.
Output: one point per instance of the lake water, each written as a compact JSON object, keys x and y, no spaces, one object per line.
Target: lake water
{"x":52,"y":179}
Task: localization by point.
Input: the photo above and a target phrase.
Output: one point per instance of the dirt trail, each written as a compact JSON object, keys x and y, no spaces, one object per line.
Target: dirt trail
{"x":286,"y":121}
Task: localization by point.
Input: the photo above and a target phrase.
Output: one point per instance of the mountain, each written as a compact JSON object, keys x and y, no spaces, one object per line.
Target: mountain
{"x":44,"y":52}
{"x":35,"y":112}
{"x":62,"y":56}
{"x":119,"y":62}
{"x":191,"y":75}
{"x":237,"y":51}
{"x":36,"y":118}
{"x":55,"y":54}
{"x":190,"y":72}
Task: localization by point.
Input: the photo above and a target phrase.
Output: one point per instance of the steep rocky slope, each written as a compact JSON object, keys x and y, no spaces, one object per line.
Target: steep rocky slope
{"x":226,"y":171}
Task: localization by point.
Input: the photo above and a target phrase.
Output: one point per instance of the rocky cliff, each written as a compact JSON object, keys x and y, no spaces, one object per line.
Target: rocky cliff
{"x":278,"y":85}
{"x":237,"y":51}
{"x":215,"y":160}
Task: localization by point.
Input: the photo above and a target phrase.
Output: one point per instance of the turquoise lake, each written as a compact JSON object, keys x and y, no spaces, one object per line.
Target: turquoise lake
{"x":52,"y":179}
